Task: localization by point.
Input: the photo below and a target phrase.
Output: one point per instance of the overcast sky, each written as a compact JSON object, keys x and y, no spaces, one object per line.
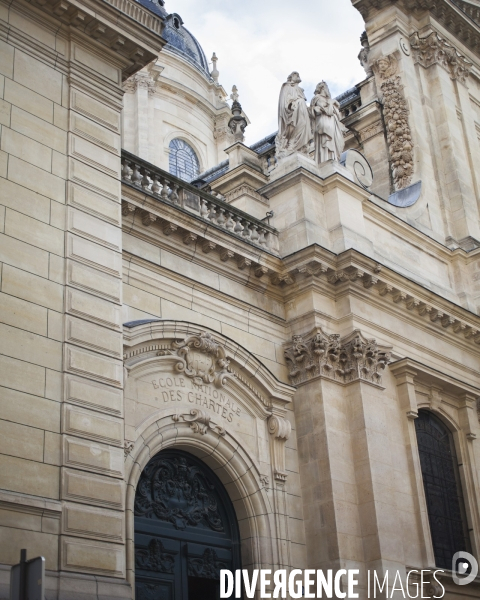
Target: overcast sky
{"x":260,"y":42}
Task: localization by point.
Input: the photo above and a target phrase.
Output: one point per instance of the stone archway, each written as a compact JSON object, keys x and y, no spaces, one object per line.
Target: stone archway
{"x":186,"y":529}
{"x":201,"y":393}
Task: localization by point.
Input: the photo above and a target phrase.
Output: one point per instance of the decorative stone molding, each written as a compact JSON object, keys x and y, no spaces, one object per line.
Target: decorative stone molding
{"x":142,"y":80}
{"x":279,"y":430}
{"x":203,"y":360}
{"x":371,"y":131}
{"x":399,"y":135}
{"x":128,"y":447}
{"x":434,"y":49}
{"x":265,"y":482}
{"x":321,"y":355}
{"x":200,"y":422}
{"x":245,"y":190}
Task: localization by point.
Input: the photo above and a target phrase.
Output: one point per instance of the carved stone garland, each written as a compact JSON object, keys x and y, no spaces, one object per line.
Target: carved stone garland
{"x":176,"y":491}
{"x":325,"y":355}
{"x":399,"y":135}
{"x":203,"y":360}
{"x":433,"y":49}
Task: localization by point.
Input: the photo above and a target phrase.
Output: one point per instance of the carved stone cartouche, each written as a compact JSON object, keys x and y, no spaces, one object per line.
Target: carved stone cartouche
{"x":203,"y":359}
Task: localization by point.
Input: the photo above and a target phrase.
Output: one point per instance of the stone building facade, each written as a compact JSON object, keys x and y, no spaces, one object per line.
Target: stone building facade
{"x":210,"y":357}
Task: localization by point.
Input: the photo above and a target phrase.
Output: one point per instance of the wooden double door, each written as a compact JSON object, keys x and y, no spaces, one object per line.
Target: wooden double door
{"x":185,"y":530}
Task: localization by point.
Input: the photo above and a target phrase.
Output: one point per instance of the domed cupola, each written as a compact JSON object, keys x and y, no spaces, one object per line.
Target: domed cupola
{"x":182,"y":42}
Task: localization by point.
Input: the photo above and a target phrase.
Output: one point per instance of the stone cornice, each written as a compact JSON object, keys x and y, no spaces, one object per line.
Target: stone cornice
{"x":124,"y":26}
{"x":351,"y":267}
{"x":450,"y":16}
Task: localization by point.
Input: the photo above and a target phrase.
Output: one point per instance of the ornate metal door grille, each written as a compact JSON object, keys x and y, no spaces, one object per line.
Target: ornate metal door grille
{"x":443,"y":490}
{"x":185,"y":530}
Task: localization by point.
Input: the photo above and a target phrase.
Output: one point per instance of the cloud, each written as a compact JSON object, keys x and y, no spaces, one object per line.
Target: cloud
{"x":259,"y":42}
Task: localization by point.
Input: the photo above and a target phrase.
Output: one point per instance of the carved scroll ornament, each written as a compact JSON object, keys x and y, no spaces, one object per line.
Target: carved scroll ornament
{"x":399,"y":135}
{"x":203,"y":359}
{"x":200,"y":422}
{"x":323,"y":355}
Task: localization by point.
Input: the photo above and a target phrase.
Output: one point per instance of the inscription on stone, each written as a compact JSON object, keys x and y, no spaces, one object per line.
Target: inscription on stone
{"x":181,"y":389}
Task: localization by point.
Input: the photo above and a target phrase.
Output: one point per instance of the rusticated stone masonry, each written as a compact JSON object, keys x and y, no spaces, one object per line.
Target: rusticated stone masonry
{"x":323,"y":355}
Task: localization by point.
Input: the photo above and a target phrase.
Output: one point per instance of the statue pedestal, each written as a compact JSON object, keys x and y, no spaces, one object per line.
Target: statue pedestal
{"x":316,"y":204}
{"x":290,"y":163}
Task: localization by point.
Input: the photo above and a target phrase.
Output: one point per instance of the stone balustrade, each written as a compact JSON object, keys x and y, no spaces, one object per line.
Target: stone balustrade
{"x":172,"y":190}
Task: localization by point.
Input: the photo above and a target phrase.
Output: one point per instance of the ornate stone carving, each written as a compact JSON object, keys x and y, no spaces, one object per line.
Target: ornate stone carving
{"x":238,"y":122}
{"x":363,"y":55}
{"x":155,"y":558}
{"x":128,"y":447}
{"x":279,"y":430}
{"x":433,"y":49}
{"x":207,"y":566}
{"x":203,"y":360}
{"x":142,"y":80}
{"x":325,"y":355}
{"x":265,"y":481}
{"x":399,"y":135}
{"x":200,"y":422}
{"x":371,"y":131}
{"x":176,"y":491}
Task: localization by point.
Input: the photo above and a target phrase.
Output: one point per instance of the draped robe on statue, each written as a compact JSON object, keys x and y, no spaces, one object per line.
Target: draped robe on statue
{"x":327,"y":126}
{"x":294,"y":129}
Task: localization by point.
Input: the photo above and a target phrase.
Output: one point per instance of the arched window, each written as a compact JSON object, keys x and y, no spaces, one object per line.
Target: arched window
{"x":183,"y":161}
{"x":443,"y":490}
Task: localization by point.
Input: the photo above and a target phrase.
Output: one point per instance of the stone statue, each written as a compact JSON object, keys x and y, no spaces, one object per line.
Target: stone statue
{"x":326,"y":124}
{"x":364,"y":52}
{"x":294,"y":129}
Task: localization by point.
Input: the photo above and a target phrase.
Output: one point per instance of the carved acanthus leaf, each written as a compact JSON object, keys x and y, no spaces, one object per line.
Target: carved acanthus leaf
{"x":325,"y":355}
{"x":200,"y":422}
{"x":433,"y":49}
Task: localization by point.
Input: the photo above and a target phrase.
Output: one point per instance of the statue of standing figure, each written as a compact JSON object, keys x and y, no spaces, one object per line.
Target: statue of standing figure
{"x":294,"y":127}
{"x":326,"y":124}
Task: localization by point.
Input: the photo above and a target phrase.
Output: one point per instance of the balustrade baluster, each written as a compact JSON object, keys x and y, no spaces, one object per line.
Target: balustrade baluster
{"x":212,"y":213}
{"x":164,"y":194}
{"x":246,"y":231}
{"x":238,"y":226}
{"x":203,"y":208}
{"x":254,"y":236}
{"x":221,"y":219}
{"x":145,"y":182}
{"x":230,"y":224}
{"x":156,"y":187}
{"x":173,"y":193}
{"x":126,"y":170}
{"x":262,"y":239}
{"x":136,"y":177}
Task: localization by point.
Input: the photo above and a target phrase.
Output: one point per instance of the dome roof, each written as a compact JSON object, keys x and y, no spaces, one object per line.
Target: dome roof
{"x":179,"y":39}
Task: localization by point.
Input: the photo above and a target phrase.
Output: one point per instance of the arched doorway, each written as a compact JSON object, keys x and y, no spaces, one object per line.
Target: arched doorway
{"x":185,"y":530}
